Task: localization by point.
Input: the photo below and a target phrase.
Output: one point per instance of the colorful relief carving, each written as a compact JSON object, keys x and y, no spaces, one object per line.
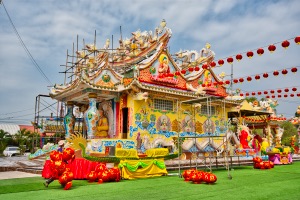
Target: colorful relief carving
{"x":91,"y":116}
{"x":69,"y":120}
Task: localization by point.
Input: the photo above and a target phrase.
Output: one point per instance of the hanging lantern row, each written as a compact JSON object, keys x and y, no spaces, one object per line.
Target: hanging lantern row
{"x":213,"y":64}
{"x":269,"y":96}
{"x":264,"y":75}
{"x":272,"y":92}
{"x":260,"y":51}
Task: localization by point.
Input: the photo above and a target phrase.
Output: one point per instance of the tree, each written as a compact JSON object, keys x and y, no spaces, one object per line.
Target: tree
{"x":22,"y":137}
{"x":289,"y":131}
{"x":4,"y":139}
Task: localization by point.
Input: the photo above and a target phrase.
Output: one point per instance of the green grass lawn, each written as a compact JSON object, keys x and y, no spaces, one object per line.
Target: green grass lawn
{"x":282,"y":182}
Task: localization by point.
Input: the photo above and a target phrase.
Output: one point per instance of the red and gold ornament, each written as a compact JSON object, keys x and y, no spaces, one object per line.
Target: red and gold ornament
{"x":272,"y":48}
{"x":221,"y":62}
{"x":249,"y":54}
{"x":260,"y":51}
{"x":238,"y":57}
{"x":285,"y":44}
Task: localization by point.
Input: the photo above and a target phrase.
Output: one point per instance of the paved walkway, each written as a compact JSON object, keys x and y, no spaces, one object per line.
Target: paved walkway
{"x":16,"y":174}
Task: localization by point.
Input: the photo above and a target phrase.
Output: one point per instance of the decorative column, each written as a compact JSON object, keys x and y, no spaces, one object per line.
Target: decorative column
{"x":91,"y":116}
{"x":69,"y":120}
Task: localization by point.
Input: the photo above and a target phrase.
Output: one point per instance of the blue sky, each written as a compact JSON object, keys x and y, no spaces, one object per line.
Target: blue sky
{"x":49,"y":28}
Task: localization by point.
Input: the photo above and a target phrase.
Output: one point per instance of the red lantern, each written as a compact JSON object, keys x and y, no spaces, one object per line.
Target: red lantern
{"x":294,"y":69}
{"x":285,"y":96}
{"x":247,"y":94}
{"x":297,"y":40}
{"x":183,"y":72}
{"x":204,"y":66}
{"x":279,"y":96}
{"x":235,"y":80}
{"x":267,"y":96}
{"x":292,"y":95}
{"x":294,"y":89}
{"x":221,"y":62}
{"x":253,"y":93}
{"x":241,"y":94}
{"x":259,"y":93}
{"x":272,"y":48}
{"x":197,"y":68}
{"x":265,"y":75}
{"x":284,"y":72}
{"x":221,"y":83}
{"x":257,"y":77}
{"x":275,"y":73}
{"x":212,"y":64}
{"x":272,"y":91}
{"x":227,"y":82}
{"x":285,"y":44}
{"x":279,"y":91}
{"x":286,"y":90}
{"x":238,"y":57}
{"x":265,"y":92}
{"x":177,"y":73}
{"x":203,"y":85}
{"x":230,"y":60}
{"x":273,"y":96}
{"x":298,"y":95}
{"x":260,"y":51}
{"x":249,"y":78}
{"x":250,"y":54}
{"x":191,"y":69}
{"x":241,"y":80}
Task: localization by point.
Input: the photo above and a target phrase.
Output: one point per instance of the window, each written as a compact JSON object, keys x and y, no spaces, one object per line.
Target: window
{"x":162,"y":104}
{"x":208,"y":110}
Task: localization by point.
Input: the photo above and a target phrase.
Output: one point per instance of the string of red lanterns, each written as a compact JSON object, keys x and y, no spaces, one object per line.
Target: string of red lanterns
{"x":260,"y":51}
{"x":264,"y":75}
{"x":274,"y":93}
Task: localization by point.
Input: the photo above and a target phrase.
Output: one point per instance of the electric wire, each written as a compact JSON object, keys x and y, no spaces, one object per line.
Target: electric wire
{"x":25,"y":48}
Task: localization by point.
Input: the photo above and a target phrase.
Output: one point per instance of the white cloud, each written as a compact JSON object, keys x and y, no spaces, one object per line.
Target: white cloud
{"x":49,"y":28}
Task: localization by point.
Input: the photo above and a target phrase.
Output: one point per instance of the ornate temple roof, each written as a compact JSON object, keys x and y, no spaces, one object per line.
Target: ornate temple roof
{"x":135,"y":63}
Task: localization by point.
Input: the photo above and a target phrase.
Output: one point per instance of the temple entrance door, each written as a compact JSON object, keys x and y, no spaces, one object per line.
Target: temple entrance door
{"x":124,"y":122}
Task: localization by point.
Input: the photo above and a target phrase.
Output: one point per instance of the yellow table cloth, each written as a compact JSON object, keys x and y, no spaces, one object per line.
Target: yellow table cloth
{"x":131,"y":169}
{"x":157,"y":152}
{"x":126,"y":153}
